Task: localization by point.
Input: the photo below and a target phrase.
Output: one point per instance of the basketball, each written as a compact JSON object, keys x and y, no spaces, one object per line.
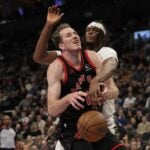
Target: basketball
{"x":92,"y":126}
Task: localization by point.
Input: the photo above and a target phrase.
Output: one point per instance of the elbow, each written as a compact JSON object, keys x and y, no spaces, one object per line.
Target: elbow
{"x":113,"y":94}
{"x":36,"y":59}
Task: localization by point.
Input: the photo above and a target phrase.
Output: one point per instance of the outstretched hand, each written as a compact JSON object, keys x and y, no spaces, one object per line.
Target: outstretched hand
{"x":54,"y":15}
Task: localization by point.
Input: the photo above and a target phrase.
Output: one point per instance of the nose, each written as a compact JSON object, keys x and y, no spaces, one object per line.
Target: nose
{"x":75,"y":36}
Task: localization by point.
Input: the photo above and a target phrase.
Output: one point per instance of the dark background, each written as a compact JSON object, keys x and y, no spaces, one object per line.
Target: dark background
{"x":24,"y":18}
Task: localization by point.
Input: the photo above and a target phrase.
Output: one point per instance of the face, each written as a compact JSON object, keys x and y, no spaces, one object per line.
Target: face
{"x":70,"y":40}
{"x":6,"y":120}
{"x":91,"y":34}
{"x":34,"y":147}
{"x":133,"y":145}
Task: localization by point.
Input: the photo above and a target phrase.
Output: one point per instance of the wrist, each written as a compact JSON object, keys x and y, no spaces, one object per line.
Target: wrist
{"x":49,"y":24}
{"x":65,"y":100}
{"x":95,"y":79}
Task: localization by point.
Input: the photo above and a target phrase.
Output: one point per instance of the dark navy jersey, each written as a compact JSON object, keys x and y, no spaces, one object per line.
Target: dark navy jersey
{"x":75,"y":80}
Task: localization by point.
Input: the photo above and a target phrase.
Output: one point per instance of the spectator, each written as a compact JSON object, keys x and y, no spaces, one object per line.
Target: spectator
{"x":7,"y":134}
{"x":143,"y":126}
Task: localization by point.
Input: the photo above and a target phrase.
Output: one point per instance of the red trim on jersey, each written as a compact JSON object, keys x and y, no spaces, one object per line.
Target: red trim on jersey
{"x":117,"y":146}
{"x":65,"y":71}
{"x":89,"y":60}
{"x":71,"y":65}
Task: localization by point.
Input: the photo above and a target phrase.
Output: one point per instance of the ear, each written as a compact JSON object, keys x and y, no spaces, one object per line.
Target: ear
{"x":61,"y":46}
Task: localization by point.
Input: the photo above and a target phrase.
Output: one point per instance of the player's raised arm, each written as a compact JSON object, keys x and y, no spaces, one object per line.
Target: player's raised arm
{"x":40,"y":53}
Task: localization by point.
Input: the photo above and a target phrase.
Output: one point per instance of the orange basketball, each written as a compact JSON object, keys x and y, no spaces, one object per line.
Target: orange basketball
{"x":92,"y":126}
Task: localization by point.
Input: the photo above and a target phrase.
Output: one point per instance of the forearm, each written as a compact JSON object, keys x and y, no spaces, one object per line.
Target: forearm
{"x":107,"y":70}
{"x":113,"y":94}
{"x":42,"y":44}
{"x":58,"y":107}
{"x":113,"y":90}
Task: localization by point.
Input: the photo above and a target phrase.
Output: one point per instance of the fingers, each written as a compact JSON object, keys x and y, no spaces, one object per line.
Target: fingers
{"x":73,"y":105}
{"x":93,"y":98}
{"x":54,"y":9}
{"x":76,"y":104}
{"x":98,"y":93}
{"x":78,"y":96}
{"x":81,"y":93}
{"x":103,"y":88}
{"x":77,"y":135}
{"x":58,"y":11}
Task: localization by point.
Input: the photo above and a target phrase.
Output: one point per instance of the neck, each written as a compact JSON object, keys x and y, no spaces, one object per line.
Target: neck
{"x":73,"y":57}
{"x":92,"y":46}
{"x":6,"y":126}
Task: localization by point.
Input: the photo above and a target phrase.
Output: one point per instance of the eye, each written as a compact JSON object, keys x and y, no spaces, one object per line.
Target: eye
{"x":87,"y":29}
{"x":68,"y":34}
{"x":96,"y":29}
{"x":75,"y":33}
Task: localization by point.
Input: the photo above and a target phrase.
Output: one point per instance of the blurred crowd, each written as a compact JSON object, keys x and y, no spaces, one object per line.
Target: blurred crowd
{"x":23,"y":89}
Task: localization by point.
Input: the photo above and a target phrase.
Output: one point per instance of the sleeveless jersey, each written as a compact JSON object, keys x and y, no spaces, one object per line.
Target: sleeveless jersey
{"x":75,"y":80}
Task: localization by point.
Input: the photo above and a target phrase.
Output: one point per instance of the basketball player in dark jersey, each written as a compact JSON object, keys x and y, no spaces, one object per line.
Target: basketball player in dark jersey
{"x":95,"y":39}
{"x":46,"y":27}
{"x":68,"y":82}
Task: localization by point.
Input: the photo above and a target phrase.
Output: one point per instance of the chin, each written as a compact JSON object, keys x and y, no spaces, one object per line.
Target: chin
{"x":90,"y":41}
{"x":78,"y":48}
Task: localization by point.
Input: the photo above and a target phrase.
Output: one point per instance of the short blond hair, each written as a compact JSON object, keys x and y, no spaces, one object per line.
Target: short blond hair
{"x":56,"y":35}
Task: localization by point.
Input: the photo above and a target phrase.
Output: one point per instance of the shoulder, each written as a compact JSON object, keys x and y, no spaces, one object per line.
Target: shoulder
{"x":55,"y":68}
{"x":107,"y":52}
{"x":92,"y":55}
{"x":94,"y":59}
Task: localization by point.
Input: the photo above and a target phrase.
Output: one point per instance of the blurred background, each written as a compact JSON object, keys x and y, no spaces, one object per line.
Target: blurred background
{"x":23,"y":84}
{"x":122,"y":18}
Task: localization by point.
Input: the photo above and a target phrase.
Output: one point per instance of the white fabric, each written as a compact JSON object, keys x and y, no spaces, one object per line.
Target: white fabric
{"x":128,"y":102}
{"x":108,"y":105}
{"x":59,"y":146}
{"x":7,"y":138}
{"x":111,"y":124}
{"x":107,"y":52}
{"x":97,"y":25}
{"x":58,"y":53}
{"x":108,"y":111}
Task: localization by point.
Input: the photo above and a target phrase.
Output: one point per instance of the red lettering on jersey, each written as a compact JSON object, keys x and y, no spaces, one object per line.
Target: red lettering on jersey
{"x":89,"y":78}
{"x":73,"y":90}
{"x":81,"y":79}
{"x":78,"y":86}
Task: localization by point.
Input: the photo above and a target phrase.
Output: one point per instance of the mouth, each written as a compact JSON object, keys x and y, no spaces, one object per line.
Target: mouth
{"x":76,"y":42}
{"x":89,"y":38}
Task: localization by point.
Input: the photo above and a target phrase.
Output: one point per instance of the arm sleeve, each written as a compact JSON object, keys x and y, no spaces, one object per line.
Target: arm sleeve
{"x":107,"y":52}
{"x":57,"y":52}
